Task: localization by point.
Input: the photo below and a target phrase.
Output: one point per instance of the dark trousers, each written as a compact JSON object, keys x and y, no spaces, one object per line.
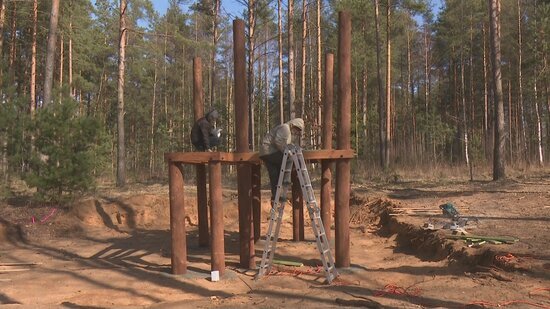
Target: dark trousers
{"x":273,"y":164}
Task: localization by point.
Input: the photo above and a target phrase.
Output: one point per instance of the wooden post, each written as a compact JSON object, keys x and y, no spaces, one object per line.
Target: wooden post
{"x":177,"y":218}
{"x":202,"y":202}
{"x":326,"y":174}
{"x":241,"y":130}
{"x":216,"y":216}
{"x":342,"y":193}
{"x":257,"y":200}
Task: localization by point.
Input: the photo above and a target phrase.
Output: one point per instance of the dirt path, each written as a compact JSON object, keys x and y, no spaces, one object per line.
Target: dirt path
{"x":112,"y":251}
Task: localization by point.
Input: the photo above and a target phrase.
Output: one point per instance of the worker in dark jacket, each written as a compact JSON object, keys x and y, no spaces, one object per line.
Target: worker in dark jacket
{"x":273,"y":146}
{"x":204,"y":135}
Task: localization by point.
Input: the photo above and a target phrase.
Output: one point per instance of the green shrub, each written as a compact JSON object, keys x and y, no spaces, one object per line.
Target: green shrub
{"x":68,"y":150}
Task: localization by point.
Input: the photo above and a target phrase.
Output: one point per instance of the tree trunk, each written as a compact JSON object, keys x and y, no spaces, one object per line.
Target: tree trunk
{"x":267,"y":86}
{"x":259,"y":112}
{"x":152,"y":140}
{"x":464,"y":118}
{"x":381,"y":131}
{"x":472,"y":94}
{"x":525,"y":150}
{"x":4,"y":136}
{"x":250,"y":70}
{"x":426,"y":69}
{"x":71,"y":88}
{"x":356,"y":107}
{"x":547,"y":93}
{"x":500,"y":134}
{"x":13,"y":46}
{"x":33,"y":58}
{"x":280,"y":58}
{"x":167,"y":115}
{"x":364,"y":111}
{"x":539,"y":125}
{"x":319,"y":76}
{"x":121,"y":148}
{"x":388,"y":87}
{"x":407,"y":94}
{"x":409,"y":97}
{"x":2,"y":20}
{"x":485,"y":97}
{"x":426,"y":85}
{"x":302,"y":106}
{"x":510,"y":146}
{"x":61,"y":60}
{"x":50,"y":53}
{"x":230,"y":122}
{"x":215,"y":13}
{"x":291,"y":65}
{"x":535,"y":93}
{"x":184,"y":137}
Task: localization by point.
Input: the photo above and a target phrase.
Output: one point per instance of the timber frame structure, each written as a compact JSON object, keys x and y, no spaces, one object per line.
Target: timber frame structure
{"x":249,"y":167}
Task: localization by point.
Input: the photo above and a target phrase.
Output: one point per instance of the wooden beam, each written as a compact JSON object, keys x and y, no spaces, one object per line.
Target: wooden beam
{"x":251,"y":157}
{"x":328,"y":154}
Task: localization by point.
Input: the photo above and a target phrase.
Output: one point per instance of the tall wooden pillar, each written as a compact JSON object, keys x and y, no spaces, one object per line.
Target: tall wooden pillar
{"x":326,"y":174}
{"x":216,"y":216}
{"x":202,"y":202}
{"x":342,"y":193}
{"x":241,"y":130}
{"x":177,"y":218}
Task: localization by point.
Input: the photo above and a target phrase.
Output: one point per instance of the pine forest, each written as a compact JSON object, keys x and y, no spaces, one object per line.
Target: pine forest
{"x":103,"y":89}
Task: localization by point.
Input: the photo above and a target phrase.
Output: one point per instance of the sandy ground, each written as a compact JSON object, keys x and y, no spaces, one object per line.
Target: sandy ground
{"x":112,"y":250}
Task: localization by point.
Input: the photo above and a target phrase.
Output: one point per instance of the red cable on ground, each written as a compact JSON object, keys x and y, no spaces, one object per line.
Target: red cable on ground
{"x":505,"y":259}
{"x":540,"y":289}
{"x":397,"y":290}
{"x":52,"y":212}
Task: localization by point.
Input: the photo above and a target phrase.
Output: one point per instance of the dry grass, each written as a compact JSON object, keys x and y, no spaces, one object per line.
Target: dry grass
{"x":440,"y":173}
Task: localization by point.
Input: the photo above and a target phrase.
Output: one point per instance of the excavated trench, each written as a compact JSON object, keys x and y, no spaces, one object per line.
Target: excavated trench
{"x":428,"y":245}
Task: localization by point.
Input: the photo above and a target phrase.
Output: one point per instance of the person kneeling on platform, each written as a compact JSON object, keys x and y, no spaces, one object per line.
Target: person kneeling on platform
{"x":204,"y":135}
{"x":273,"y":147}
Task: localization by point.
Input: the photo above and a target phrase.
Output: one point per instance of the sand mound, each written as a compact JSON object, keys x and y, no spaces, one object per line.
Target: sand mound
{"x":142,"y":211}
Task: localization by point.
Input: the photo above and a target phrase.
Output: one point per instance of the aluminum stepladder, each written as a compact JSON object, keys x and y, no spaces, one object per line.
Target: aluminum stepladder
{"x":293,"y":156}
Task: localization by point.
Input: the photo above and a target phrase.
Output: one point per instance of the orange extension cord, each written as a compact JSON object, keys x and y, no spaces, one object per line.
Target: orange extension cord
{"x":397,"y":290}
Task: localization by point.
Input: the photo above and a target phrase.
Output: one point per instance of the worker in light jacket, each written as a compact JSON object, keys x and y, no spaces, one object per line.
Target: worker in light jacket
{"x":273,"y":147}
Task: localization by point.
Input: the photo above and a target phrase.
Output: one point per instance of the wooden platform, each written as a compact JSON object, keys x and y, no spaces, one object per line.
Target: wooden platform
{"x":250,"y":157}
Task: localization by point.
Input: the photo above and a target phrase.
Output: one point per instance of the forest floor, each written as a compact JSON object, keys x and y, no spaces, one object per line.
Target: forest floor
{"x":112,"y":250}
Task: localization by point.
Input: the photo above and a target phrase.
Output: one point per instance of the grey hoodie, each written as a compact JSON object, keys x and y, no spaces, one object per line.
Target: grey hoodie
{"x":277,"y":139}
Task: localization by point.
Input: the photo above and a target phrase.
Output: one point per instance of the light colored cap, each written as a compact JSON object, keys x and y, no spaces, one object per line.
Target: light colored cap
{"x":297,"y":122}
